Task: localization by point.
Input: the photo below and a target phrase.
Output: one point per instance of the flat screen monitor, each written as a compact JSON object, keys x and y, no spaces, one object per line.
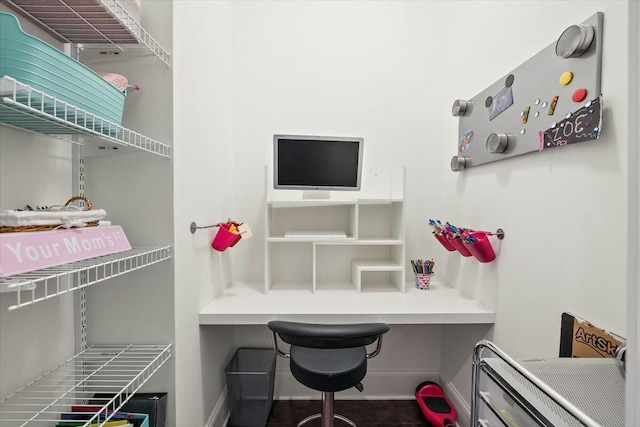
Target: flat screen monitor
{"x":317,"y":162}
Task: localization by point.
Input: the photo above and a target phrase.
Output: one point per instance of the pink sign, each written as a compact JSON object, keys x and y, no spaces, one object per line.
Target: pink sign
{"x":24,"y":252}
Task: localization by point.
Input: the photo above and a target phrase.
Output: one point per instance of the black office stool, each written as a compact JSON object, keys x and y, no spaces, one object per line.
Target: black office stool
{"x":328,"y":358}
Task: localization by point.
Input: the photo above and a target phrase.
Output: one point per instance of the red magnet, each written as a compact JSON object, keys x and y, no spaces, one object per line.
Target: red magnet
{"x":579,"y":95}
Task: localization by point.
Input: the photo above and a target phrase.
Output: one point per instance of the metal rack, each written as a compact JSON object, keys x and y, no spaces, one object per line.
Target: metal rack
{"x":41,"y":285}
{"x":97,"y":22}
{"x":27,"y":108}
{"x":556,"y":392}
{"x":116,"y":371}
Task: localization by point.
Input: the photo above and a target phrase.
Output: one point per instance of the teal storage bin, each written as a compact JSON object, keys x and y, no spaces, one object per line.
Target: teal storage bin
{"x":38,"y":64}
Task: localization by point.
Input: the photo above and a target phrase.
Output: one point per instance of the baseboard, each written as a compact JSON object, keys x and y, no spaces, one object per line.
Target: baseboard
{"x":220,"y":415}
{"x":463,"y":409}
{"x":377,"y":386}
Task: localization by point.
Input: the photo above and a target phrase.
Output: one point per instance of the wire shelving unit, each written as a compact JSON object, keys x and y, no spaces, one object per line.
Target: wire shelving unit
{"x":91,"y":22}
{"x":27,"y":108}
{"x":113,"y":371}
{"x":117,"y":371}
{"x":40,"y":285}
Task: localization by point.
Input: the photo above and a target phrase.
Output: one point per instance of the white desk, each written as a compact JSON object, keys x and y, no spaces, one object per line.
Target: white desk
{"x":246,"y":304}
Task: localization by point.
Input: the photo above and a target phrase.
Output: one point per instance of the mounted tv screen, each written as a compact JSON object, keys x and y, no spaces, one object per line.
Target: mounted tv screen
{"x":317,"y":162}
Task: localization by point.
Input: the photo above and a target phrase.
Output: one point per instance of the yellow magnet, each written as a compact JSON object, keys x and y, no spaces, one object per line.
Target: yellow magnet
{"x":566,"y":78}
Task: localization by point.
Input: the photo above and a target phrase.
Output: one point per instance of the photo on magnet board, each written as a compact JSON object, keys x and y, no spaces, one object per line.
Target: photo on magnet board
{"x":501,"y":101}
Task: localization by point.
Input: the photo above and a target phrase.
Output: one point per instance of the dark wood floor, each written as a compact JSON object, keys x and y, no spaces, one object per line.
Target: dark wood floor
{"x":365,"y":413}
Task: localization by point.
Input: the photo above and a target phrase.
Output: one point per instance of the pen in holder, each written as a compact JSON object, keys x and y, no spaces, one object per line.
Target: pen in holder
{"x":423,"y":271}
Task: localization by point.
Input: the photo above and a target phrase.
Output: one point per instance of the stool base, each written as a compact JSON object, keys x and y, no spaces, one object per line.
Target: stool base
{"x":327,"y":416}
{"x":330,"y":424}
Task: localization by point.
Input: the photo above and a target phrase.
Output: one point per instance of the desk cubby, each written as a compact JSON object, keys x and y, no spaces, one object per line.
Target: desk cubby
{"x":380,"y":219}
{"x":374,"y":244}
{"x":369,"y":258}
{"x":310,"y":216}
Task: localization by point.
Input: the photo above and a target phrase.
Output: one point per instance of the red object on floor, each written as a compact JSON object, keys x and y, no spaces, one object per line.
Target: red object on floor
{"x":434,"y":405}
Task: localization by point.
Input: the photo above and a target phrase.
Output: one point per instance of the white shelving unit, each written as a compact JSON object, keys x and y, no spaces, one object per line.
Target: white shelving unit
{"x":119,"y":370}
{"x":370,"y":257}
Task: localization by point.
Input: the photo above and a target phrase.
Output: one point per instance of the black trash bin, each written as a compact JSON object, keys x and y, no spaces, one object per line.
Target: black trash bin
{"x":250,"y":377}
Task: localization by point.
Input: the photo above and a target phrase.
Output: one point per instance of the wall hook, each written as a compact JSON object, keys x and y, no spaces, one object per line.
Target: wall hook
{"x":193,"y":227}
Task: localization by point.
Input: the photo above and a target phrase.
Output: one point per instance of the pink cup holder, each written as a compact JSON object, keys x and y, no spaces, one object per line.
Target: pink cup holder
{"x":224,"y":238}
{"x":444,"y":242}
{"x":482,"y":249}
{"x":457,"y":243}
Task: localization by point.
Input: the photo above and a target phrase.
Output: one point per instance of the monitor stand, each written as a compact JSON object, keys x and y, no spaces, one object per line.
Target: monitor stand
{"x":316,"y":195}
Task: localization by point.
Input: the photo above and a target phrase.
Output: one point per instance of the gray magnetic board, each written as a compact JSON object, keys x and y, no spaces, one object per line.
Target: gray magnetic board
{"x":551,"y":100}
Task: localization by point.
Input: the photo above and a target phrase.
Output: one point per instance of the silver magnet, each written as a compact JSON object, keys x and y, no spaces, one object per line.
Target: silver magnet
{"x":544,"y":104}
{"x":458,"y":163}
{"x":459,"y":108}
{"x":523,"y":131}
{"x":536,"y":114}
{"x":574,"y":41}
{"x":497,"y":142}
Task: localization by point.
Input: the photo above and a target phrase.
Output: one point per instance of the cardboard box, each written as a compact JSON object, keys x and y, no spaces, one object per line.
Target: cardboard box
{"x":579,"y":338}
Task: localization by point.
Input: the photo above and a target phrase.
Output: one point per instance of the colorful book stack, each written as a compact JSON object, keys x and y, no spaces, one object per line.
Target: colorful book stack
{"x":81,"y":414}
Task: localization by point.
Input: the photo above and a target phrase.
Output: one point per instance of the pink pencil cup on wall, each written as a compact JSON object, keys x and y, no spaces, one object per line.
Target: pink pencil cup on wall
{"x":456,"y":242}
{"x":224,"y":238}
{"x":444,"y":242}
{"x":481,"y":249}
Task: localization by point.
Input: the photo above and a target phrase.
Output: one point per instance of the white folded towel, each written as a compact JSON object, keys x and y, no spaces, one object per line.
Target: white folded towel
{"x":62,"y":218}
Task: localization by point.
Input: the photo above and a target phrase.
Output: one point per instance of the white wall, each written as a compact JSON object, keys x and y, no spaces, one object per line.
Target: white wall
{"x":556,"y":208}
{"x":203,"y":158}
{"x":564,"y":212}
{"x":337,"y":68}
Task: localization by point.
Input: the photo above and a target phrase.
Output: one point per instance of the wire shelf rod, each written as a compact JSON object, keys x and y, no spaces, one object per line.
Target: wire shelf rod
{"x":30,"y":288}
{"x":29,"y":108}
{"x":138,"y":30}
{"x":13,"y":407}
{"x":67,"y":392}
{"x":106,"y":21}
